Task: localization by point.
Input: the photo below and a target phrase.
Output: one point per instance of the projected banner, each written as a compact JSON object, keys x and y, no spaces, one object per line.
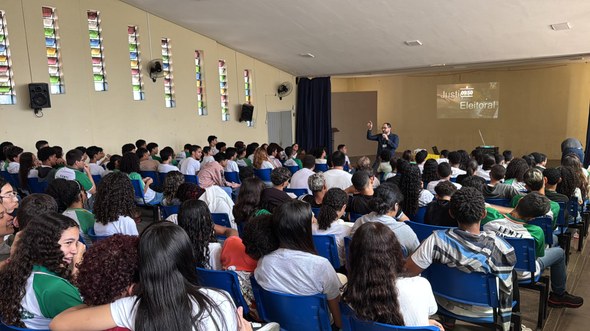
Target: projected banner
{"x":477,"y":100}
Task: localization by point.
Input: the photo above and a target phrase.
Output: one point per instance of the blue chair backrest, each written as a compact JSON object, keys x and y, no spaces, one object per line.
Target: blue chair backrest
{"x":225,"y":280}
{"x":293,"y":169}
{"x":354,"y":216}
{"x":12,"y":179}
{"x":151,"y":174}
{"x":96,"y":179}
{"x":499,"y":202}
{"x":323,"y":167}
{"x":221,"y":219}
{"x":232,"y":176}
{"x":315,"y":211}
{"x":326,"y":246}
{"x":572,"y":207}
{"x":524,"y":249}
{"x":35,"y":186}
{"x":450,"y":283}
{"x":263,"y":174}
{"x":4,"y":327}
{"x":138,"y":191}
{"x":162,"y":177}
{"x":297,"y":191}
{"x":350,"y":322}
{"x":453,"y":179}
{"x":546,"y":224}
{"x":561,"y":216}
{"x":93,"y":237}
{"x":169,"y":210}
{"x":422,"y":230}
{"x":292,"y":312}
{"x":419,"y":217}
{"x":191,"y":179}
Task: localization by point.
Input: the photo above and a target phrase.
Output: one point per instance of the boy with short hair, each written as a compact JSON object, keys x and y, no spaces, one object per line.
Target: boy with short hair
{"x":77,"y":170}
{"x":232,"y":165}
{"x":153,"y":149}
{"x":95,"y":155}
{"x":166,"y":166}
{"x":191,"y":165}
{"x":146,"y":163}
{"x":48,"y":159}
{"x":212,"y":140}
{"x":437,"y":212}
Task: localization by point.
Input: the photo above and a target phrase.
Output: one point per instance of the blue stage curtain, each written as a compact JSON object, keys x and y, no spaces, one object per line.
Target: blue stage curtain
{"x":313,"y":122}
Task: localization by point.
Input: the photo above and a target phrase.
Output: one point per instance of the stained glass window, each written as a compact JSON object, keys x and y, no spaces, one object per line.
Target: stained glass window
{"x":96,"y":51}
{"x":136,"y":76}
{"x":200,"y":83}
{"x":248,"y":90}
{"x":223,"y":90}
{"x":168,"y":78}
{"x":52,"y":47}
{"x":7,"y":93}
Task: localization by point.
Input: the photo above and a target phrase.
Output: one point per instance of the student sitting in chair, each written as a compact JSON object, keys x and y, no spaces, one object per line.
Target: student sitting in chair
{"x":437,"y":212}
{"x":74,"y":171}
{"x":191,"y":165}
{"x":496,"y":189}
{"x":167,"y":155}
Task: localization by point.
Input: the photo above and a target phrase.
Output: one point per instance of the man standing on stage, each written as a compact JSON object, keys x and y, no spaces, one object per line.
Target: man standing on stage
{"x":386,"y":140}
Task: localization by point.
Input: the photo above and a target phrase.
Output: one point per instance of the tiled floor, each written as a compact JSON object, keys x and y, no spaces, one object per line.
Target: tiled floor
{"x":562,"y":319}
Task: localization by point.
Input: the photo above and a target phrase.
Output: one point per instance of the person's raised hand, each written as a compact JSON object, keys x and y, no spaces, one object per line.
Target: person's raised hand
{"x":370,"y":125}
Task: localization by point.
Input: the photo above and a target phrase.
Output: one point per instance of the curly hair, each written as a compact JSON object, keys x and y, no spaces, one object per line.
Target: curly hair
{"x":429,"y":173}
{"x":467,"y":205}
{"x":38,"y":245}
{"x":280,"y":175}
{"x":27,"y":162}
{"x":194,"y":217}
{"x":114,"y":198}
{"x":568,"y":183}
{"x":572,"y":161}
{"x":108,"y":269}
{"x":171,"y":183}
{"x":410,"y":186}
{"x":333,"y":202}
{"x":258,"y":237}
{"x":188,"y":191}
{"x":33,"y":205}
{"x":260,"y":156}
{"x":65,"y":192}
{"x":516,"y":169}
{"x":373,"y":295}
{"x":129,"y":163}
{"x":248,"y":201}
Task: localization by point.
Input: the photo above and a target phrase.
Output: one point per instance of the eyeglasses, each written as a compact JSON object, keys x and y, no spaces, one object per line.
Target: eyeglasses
{"x":9,"y":195}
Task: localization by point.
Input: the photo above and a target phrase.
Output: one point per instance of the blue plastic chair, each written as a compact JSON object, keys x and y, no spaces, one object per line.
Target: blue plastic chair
{"x":4,"y":327}
{"x":224,"y":280}
{"x":232,"y":176}
{"x":191,"y":179}
{"x":293,"y":169}
{"x":93,"y":237}
{"x":169,"y":210}
{"x":35,"y":186}
{"x":419,"y":216}
{"x":297,"y":191}
{"x":546,"y":224}
{"x":350,"y":322}
{"x":453,"y":179}
{"x":263,"y":174}
{"x":524,"y":249}
{"x":354,"y":216}
{"x":315,"y":211}
{"x":574,"y":222}
{"x":323,"y":167}
{"x":292,"y":312}
{"x":221,"y":219}
{"x":451,"y":284}
{"x":424,"y":231}
{"x":12,"y":179}
{"x":162,"y":177}
{"x":140,"y":198}
{"x":151,"y":174}
{"x":499,"y":202}
{"x":561,"y":231}
{"x":96,"y":179}
{"x":327,"y":247}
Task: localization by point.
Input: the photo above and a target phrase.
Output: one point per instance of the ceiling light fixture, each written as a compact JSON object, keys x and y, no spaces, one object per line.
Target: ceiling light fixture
{"x":413,"y":42}
{"x":309,"y":55}
{"x":561,"y":26}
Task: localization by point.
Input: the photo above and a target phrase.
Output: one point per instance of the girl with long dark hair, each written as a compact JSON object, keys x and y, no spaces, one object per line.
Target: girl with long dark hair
{"x":194,"y":217}
{"x":167,"y":296}
{"x":295,"y":267}
{"x":375,"y":290}
{"x":515,"y":174}
{"x":329,"y":219}
{"x":28,"y":162}
{"x":248,"y":201}
{"x":114,"y":206}
{"x":35,"y":283}
{"x":414,"y":195}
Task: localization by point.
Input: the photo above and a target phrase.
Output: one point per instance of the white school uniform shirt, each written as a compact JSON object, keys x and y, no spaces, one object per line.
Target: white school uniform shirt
{"x":166,"y":168}
{"x":123,"y":225}
{"x":96,"y":170}
{"x":232,"y":166}
{"x":190,"y":166}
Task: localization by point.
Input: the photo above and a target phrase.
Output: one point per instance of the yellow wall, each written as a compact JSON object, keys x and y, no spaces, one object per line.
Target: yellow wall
{"x":112,"y":118}
{"x":539,"y":107}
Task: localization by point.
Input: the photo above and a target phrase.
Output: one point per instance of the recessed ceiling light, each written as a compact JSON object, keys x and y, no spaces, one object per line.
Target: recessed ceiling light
{"x":413,"y":42}
{"x":561,"y":26}
{"x":309,"y":55}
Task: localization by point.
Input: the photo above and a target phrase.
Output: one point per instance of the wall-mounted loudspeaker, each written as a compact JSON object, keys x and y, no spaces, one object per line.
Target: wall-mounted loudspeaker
{"x":39,"y":96}
{"x":247,"y":112}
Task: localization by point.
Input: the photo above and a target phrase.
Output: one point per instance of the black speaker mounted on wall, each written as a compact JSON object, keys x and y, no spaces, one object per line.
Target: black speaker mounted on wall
{"x":39,"y":96}
{"x":247,"y":112}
